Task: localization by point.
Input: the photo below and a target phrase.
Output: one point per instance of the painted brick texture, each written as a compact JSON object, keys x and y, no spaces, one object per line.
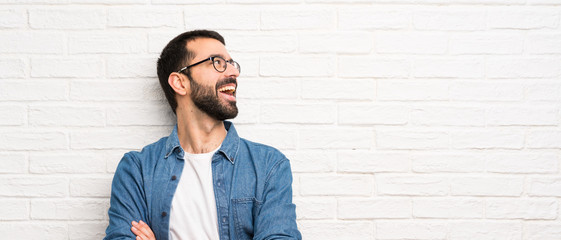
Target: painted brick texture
{"x":403,"y":119}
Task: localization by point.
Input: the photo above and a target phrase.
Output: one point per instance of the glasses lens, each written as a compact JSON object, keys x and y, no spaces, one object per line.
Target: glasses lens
{"x":219,"y":64}
{"x":237,"y":65}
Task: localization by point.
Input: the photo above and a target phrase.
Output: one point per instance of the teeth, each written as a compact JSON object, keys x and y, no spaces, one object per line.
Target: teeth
{"x":227,"y":88}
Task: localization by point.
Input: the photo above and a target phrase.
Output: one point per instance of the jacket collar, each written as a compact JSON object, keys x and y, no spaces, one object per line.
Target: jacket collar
{"x":229,"y":146}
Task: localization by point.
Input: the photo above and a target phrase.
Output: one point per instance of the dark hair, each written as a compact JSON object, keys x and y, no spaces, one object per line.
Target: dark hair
{"x":176,"y":55}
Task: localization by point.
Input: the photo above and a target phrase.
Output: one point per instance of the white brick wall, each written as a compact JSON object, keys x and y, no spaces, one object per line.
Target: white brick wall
{"x":403,"y":119}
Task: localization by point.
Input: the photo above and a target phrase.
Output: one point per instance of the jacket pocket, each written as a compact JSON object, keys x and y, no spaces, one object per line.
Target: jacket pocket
{"x":244,"y":216}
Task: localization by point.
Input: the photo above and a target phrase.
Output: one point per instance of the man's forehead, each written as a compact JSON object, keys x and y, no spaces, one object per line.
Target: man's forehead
{"x":206,"y":47}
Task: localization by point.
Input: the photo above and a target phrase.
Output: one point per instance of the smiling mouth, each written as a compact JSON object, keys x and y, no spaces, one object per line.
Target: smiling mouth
{"x":230,"y":90}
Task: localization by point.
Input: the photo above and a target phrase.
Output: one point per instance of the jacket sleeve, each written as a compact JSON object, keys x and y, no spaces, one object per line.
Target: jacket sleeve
{"x":128,"y":201}
{"x":276,"y":218}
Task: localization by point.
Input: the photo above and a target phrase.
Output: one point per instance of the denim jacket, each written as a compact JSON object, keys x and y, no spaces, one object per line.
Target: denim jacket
{"x":252,"y":188}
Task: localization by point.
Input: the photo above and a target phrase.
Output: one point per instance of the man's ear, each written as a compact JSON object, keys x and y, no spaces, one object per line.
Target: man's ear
{"x":178,"y":83}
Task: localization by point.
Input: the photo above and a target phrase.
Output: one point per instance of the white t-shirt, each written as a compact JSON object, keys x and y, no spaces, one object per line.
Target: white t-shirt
{"x":193,"y":208}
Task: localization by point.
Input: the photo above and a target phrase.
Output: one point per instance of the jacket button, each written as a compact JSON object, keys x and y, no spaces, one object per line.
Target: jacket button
{"x":164,"y":214}
{"x":173,"y":177}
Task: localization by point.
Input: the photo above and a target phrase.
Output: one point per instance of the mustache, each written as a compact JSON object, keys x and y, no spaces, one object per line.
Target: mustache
{"x":227,"y":81}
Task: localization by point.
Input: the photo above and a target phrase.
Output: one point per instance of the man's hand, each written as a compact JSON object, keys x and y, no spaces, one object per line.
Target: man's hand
{"x":142,"y":231}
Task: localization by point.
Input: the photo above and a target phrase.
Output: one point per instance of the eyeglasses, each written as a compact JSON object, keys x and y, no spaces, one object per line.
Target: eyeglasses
{"x":219,"y":64}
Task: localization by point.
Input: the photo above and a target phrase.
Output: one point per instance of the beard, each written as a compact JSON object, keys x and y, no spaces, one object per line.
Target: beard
{"x":207,"y":100}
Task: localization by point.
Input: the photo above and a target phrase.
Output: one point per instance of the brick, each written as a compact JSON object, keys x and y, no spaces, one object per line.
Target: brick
{"x":68,"y":209}
{"x":142,"y":114}
{"x":330,"y":230}
{"x":351,"y":89}
{"x":448,"y":208}
{"x":487,"y":186}
{"x":536,"y":115}
{"x":407,"y":229}
{"x":157,"y":41}
{"x":543,"y":91}
{"x":261,"y":42}
{"x":121,"y":90}
{"x":12,"y":68}
{"x":144,"y":17}
{"x":13,"y":163}
{"x":400,"y":42}
{"x":502,"y":67}
{"x":278,"y":138}
{"x":67,"y":67}
{"x":31,"y":42}
{"x":312,"y":161}
{"x":66,"y":162}
{"x":334,"y":42}
{"x":521,"y":209}
{"x":448,"y":116}
{"x":249,"y":64}
{"x":545,"y":186}
{"x":13,"y":115}
{"x":33,"y":140}
{"x":107,"y":42}
{"x":110,"y":1}
{"x":66,"y":115}
{"x":522,"y":18}
{"x":116,"y":138}
{"x":336,"y":185}
{"x":340,"y":138}
{"x":542,"y":231}
{"x":379,"y":208}
{"x":488,"y":43}
{"x":373,"y":114}
{"x":248,"y":113}
{"x":54,"y":18}
{"x":33,"y":90}
{"x":448,"y":68}
{"x":14,"y":209}
{"x":523,"y":163}
{"x":373,"y":18}
{"x":13,"y":18}
{"x":543,"y":43}
{"x":186,"y":2}
{"x":449,"y":19}
{"x":372,"y":162}
{"x":29,"y":230}
{"x":373,"y":67}
{"x":297,"y":19}
{"x":221,"y":18}
{"x":131,"y":67}
{"x":411,"y":90}
{"x":315,"y":208}
{"x":411,"y":185}
{"x":88,"y":230}
{"x":391,"y":139}
{"x":484,"y":230}
{"x":298,"y":113}
{"x":301,"y":66}
{"x":447,"y":162}
{"x":33,"y":187}
{"x":486,"y":91}
{"x":263,"y":1}
{"x":91,"y":187}
{"x":112,"y":160}
{"x":487,"y":139}
{"x":544,"y":2}
{"x":543,"y":139}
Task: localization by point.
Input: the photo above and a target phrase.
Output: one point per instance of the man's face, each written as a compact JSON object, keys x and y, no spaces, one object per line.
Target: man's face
{"x":211,"y":91}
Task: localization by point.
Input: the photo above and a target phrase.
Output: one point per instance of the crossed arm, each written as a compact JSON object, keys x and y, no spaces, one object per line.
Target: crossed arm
{"x":142,"y":231}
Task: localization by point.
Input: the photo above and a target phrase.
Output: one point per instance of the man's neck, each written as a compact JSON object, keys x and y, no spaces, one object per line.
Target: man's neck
{"x":198,"y":132}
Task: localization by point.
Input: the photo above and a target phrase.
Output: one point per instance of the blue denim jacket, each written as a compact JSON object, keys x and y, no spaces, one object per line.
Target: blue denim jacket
{"x":252,"y":188}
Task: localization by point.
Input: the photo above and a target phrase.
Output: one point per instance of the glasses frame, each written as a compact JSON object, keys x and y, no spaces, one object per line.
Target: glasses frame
{"x":232,"y":62}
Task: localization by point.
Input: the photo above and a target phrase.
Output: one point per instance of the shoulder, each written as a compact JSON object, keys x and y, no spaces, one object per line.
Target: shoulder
{"x":262,"y":155}
{"x":147,"y":155}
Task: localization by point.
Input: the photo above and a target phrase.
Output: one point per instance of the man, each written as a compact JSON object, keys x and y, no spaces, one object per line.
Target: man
{"x":202,"y":181}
